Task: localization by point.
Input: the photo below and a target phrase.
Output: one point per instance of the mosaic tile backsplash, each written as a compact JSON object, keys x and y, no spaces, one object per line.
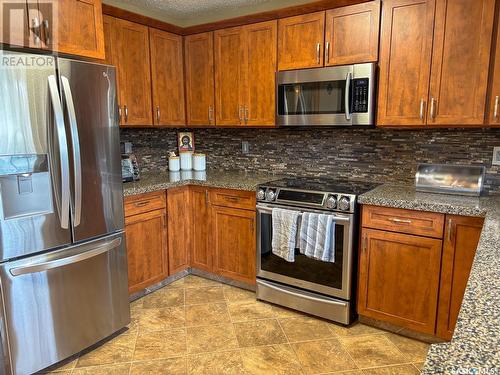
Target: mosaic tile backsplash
{"x":360,"y":154}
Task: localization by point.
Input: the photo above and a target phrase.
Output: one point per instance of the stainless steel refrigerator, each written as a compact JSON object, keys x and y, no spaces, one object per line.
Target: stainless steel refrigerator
{"x":63,"y":266}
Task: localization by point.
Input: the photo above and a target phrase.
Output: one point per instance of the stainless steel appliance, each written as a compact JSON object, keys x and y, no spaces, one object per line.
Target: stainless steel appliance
{"x":450,"y":179}
{"x":63,"y":268}
{"x":334,"y":96}
{"x":320,"y":288}
{"x":130,"y":165}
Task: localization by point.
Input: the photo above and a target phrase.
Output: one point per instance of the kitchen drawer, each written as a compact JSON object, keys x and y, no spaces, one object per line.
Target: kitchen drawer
{"x":137,"y":204}
{"x":233,"y":198}
{"x":399,"y":220}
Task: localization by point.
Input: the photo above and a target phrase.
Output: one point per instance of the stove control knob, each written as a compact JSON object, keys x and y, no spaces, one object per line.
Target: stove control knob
{"x":344,"y":203}
{"x":270,"y":195}
{"x":331,"y":202}
{"x":261,"y":194}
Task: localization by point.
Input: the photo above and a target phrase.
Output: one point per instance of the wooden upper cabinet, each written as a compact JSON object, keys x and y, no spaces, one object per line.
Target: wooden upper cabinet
{"x":351,"y":34}
{"x":201,"y":249}
{"x":405,"y":61}
{"x":111,"y":50}
{"x":493,"y":110}
{"x":300,"y":41}
{"x":179,"y":232}
{"x":260,"y":71}
{"x":14,"y":28}
{"x":199,"y":62}
{"x":399,"y":279}
{"x":134,"y":74}
{"x":167,"y":75}
{"x":73,"y":27}
{"x":460,"y":62}
{"x":459,"y":247}
{"x":229,"y":76}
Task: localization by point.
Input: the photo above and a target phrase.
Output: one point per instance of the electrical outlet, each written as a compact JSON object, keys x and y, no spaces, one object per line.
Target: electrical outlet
{"x":496,"y":156}
{"x":245,"y":147}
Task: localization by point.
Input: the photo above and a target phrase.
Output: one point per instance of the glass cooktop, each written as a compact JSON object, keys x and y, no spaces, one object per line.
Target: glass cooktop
{"x":322,"y":184}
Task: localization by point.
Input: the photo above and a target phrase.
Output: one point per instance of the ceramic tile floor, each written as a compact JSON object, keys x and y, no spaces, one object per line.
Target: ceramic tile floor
{"x":199,"y":326}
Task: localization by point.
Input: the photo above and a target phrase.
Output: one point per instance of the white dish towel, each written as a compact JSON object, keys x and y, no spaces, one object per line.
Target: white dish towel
{"x":317,"y":236}
{"x":284,"y":233}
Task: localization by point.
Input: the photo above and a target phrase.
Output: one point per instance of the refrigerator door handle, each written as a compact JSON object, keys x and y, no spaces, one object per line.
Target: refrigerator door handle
{"x":63,"y":151}
{"x":45,"y":266}
{"x":77,"y":163}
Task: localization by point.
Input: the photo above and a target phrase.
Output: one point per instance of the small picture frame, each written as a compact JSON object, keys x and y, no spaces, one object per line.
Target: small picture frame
{"x":185,"y":141}
{"x":496,"y":156}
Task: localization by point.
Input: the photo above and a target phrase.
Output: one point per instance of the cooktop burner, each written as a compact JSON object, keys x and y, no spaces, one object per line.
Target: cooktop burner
{"x":322,"y":184}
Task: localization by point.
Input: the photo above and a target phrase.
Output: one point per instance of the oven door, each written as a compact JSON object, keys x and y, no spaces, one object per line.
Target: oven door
{"x":334,"y":96}
{"x":333,"y":279}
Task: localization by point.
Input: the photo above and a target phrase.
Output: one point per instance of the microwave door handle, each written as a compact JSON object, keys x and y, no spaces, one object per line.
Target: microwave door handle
{"x":77,"y":162}
{"x":347,"y":103}
{"x":63,"y":200}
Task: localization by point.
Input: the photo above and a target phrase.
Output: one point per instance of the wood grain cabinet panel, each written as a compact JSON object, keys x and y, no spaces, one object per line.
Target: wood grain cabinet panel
{"x":460,"y":62}
{"x":229,"y":76}
{"x":200,"y":86}
{"x":399,"y":279}
{"x":134,"y":73}
{"x":260,"y":71}
{"x":405,"y":61}
{"x":110,"y":41}
{"x":300,"y":41}
{"x":179,"y":228}
{"x":233,"y":239}
{"x":459,"y":247}
{"x":351,"y":34}
{"x":493,"y":105}
{"x":146,"y":238}
{"x":201,"y":249}
{"x":167,"y":76}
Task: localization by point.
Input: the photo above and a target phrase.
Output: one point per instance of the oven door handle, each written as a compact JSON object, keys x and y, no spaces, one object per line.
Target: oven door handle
{"x":269,"y":210}
{"x":347,"y":97}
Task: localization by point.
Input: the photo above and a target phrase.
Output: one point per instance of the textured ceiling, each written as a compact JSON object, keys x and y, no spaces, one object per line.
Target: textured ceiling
{"x":194,"y":12}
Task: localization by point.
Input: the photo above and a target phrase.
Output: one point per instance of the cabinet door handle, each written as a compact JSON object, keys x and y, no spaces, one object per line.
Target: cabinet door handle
{"x":422,"y":109}
{"x":433,"y":108}
{"x":164,"y":220}
{"x":365,"y":242}
{"x":327,"y":52}
{"x":125,"y":109}
{"x":400,"y":221}
{"x":246,"y":115}
{"x":35,"y":27}
{"x":318,"y":53}
{"x":210,"y":114}
{"x":450,"y":229}
{"x":45,"y":24}
{"x":158,"y":114}
{"x":240,"y":107}
{"x":497,"y":104}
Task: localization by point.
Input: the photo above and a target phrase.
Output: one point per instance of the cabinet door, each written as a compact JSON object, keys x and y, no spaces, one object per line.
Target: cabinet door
{"x":110,"y":42}
{"x":146,"y":237}
{"x":201,"y":251}
{"x":167,"y":75}
{"x":134,"y":73}
{"x":493,"y":117}
{"x":459,"y":247}
{"x":399,"y":279}
{"x":300,"y":41}
{"x":229,"y":76}
{"x":233,"y":232}
{"x":14,"y":24}
{"x":199,"y":57}
{"x":351,"y":35}
{"x":405,"y":61}
{"x":179,"y":233}
{"x":460,"y":62}
{"x":73,"y":27}
{"x":260,"y":71}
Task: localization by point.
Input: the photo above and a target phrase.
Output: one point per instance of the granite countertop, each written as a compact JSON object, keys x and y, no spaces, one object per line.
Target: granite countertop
{"x":476,"y":339}
{"x":238,"y":180}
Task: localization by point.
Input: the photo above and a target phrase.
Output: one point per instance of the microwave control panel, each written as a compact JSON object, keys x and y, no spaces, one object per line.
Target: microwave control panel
{"x":360,"y":95}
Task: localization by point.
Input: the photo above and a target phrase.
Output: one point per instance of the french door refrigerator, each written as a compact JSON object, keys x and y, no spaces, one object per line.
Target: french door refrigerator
{"x":63,"y":266}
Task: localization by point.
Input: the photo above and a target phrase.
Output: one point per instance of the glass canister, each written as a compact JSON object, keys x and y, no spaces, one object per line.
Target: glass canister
{"x":186,"y":161}
{"x":199,"y":162}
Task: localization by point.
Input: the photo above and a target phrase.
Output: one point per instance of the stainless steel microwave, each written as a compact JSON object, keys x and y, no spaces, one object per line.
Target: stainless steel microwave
{"x":333,"y":96}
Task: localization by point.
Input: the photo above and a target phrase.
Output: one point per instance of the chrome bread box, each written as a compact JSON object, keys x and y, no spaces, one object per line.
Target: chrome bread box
{"x":450,"y":179}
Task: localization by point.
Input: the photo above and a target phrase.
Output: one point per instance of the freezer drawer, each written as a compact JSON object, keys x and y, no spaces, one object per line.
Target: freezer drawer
{"x":56,"y":304}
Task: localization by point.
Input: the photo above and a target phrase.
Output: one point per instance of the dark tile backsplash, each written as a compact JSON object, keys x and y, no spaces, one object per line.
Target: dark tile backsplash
{"x":362,"y":154}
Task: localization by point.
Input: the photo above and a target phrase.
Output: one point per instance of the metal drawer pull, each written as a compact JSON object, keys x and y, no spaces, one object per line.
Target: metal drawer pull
{"x":318,"y":53}
{"x":422,"y":107}
{"x":45,"y":24}
{"x":234,"y":199}
{"x":126,"y":112}
{"x":141,"y":204}
{"x":158,"y":114}
{"x":327,"y":52}
{"x":495,"y":111}
{"x":433,"y":108}
{"x":396,"y":220}
{"x":45,"y":266}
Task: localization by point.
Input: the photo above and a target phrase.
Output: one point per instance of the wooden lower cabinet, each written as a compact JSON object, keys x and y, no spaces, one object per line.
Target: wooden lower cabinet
{"x":399,"y":279}
{"x":233,"y":241}
{"x":459,"y":247}
{"x":201,"y":251}
{"x":179,"y":228}
{"x":146,"y":238}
